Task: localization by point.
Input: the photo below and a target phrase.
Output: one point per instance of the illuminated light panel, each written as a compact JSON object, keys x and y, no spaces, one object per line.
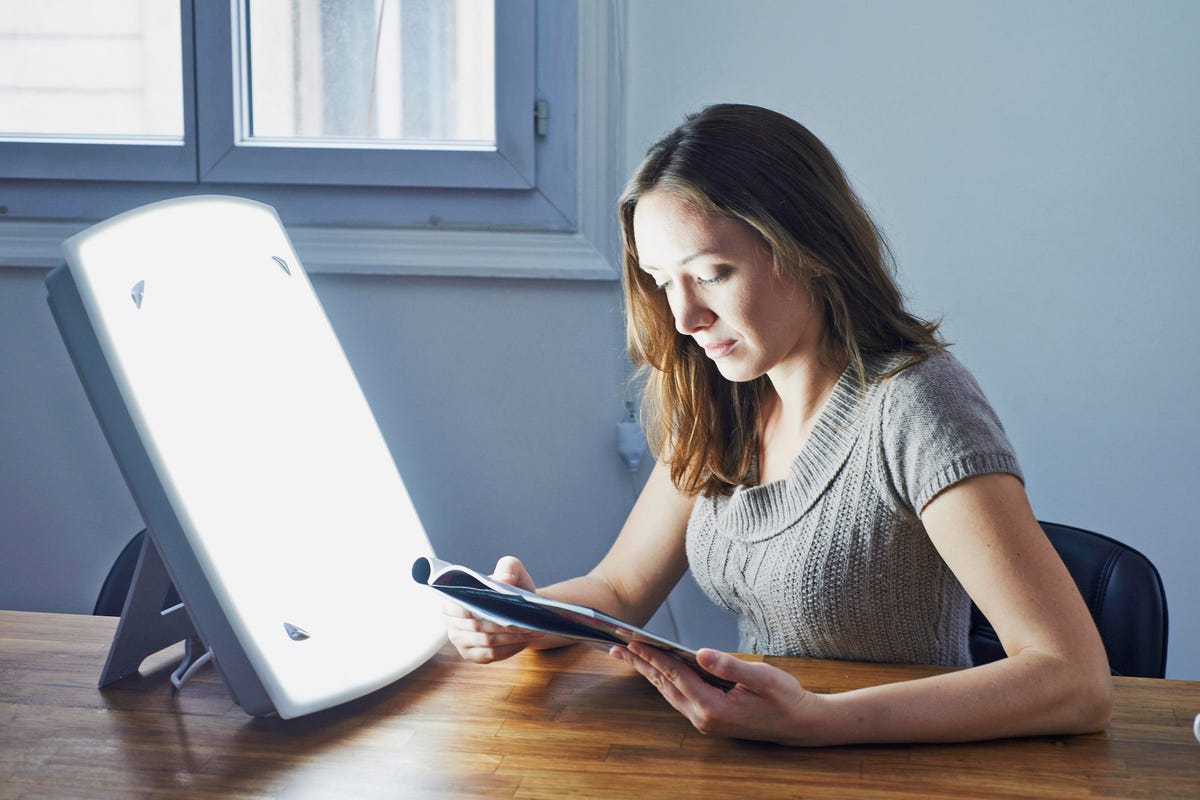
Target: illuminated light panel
{"x":250,"y":450}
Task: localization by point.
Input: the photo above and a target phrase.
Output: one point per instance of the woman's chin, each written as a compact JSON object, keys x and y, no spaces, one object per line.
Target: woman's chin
{"x":735,"y":372}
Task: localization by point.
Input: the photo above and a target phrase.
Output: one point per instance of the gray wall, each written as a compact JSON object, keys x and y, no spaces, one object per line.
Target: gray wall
{"x":1036,"y":166}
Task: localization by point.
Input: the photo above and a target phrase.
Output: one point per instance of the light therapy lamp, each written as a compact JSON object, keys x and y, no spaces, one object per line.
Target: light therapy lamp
{"x":271,"y":500}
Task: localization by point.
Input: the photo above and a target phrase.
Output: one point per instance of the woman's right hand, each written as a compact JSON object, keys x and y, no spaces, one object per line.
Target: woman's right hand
{"x":482,"y":641}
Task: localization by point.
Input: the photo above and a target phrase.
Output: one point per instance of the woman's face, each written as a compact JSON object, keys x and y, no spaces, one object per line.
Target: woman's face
{"x":718,"y":277}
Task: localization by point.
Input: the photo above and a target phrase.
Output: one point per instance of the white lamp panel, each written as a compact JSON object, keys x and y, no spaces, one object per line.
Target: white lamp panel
{"x":263,"y":442}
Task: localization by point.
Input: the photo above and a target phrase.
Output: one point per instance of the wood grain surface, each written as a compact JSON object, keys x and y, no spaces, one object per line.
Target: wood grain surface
{"x":565,"y":724}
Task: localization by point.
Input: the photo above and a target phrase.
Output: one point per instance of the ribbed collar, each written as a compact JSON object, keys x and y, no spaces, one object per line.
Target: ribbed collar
{"x":755,"y":513}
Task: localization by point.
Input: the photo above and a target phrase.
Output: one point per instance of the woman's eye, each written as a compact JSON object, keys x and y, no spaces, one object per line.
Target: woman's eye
{"x":713,"y":281}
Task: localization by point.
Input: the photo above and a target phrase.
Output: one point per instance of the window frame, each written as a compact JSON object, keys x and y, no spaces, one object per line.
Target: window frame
{"x":226,"y":156}
{"x":561,"y":229}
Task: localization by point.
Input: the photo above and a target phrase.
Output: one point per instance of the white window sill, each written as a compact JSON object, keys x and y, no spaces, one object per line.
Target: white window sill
{"x":376,"y":251}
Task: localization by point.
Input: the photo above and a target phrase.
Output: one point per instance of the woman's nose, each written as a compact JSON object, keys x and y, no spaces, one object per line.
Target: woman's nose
{"x":691,"y":314}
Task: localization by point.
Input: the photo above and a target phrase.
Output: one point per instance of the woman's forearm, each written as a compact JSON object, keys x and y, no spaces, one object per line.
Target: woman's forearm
{"x":1027,"y":695}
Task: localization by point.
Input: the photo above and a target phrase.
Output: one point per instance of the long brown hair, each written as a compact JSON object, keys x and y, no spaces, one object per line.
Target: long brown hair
{"x":770,"y":172}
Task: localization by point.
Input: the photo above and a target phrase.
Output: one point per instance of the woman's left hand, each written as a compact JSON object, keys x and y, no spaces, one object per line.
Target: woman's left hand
{"x":767,"y":703}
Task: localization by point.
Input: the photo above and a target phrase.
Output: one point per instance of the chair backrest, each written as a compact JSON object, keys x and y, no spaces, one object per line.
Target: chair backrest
{"x":1122,"y":589}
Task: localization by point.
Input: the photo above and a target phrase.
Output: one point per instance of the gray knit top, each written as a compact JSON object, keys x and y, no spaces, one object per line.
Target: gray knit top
{"x":833,"y":561}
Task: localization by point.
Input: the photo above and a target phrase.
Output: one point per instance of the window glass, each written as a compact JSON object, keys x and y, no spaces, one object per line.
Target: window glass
{"x":370,"y":72}
{"x":82,"y":69}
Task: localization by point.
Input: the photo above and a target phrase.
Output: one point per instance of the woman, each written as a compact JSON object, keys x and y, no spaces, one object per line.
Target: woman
{"x":828,"y":470}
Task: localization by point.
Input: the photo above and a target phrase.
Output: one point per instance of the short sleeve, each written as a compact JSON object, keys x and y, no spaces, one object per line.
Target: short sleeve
{"x":937,"y":429}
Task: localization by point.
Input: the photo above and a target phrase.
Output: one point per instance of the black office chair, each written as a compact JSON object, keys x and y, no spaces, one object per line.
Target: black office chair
{"x":111,"y":601}
{"x":1123,"y":591}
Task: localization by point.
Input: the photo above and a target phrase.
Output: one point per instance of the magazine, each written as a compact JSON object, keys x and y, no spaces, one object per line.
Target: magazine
{"x":512,"y":606}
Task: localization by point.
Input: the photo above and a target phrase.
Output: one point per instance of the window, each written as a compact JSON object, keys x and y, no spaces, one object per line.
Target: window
{"x":94,"y":91}
{"x":317,"y":86}
{"x":446,"y":116}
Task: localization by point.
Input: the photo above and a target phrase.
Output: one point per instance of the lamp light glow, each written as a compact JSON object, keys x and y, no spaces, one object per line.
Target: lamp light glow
{"x":250,"y":449}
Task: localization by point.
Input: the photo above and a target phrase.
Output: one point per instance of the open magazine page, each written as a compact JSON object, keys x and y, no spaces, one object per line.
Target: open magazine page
{"x":512,"y":606}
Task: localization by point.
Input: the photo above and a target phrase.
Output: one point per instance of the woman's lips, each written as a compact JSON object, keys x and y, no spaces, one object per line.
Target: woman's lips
{"x":718,"y":349}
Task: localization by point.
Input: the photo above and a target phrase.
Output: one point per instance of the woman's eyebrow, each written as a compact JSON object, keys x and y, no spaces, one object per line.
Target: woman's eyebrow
{"x":710,"y":251}
{"x":682,"y":261}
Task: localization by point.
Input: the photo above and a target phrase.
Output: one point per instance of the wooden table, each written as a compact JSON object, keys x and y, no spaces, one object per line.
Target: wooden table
{"x":570,"y":723}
